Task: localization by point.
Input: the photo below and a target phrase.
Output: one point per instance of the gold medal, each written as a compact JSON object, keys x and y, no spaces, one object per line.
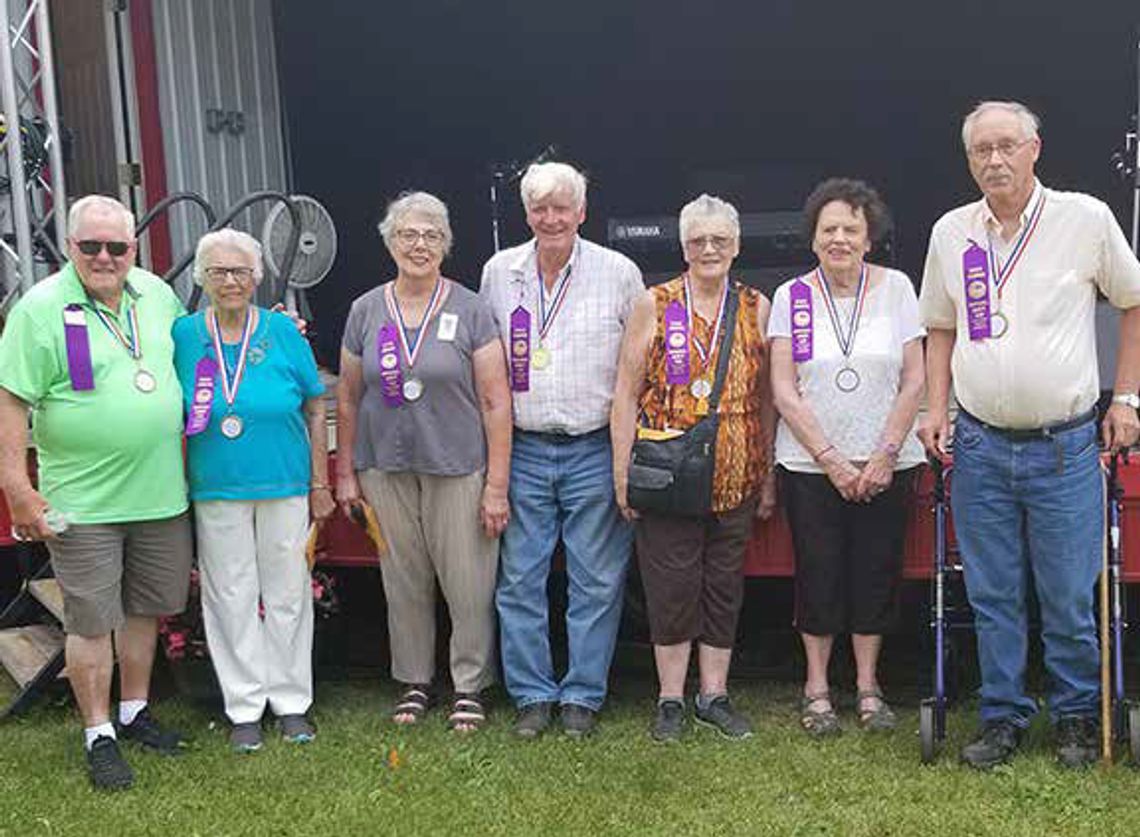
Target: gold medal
{"x":541,"y":358}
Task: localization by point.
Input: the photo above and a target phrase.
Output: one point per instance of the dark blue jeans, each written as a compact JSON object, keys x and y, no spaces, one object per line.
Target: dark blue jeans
{"x":1031,"y":510}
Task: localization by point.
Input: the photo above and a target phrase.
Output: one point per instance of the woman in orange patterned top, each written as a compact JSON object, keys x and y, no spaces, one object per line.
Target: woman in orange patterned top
{"x":692,"y":567}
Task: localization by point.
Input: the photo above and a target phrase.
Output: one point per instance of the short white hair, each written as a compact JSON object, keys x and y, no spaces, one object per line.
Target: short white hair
{"x":423,"y":204}
{"x":230,"y":239}
{"x":545,"y":179}
{"x":1025,"y":117}
{"x":707,"y":208}
{"x":102,"y":204}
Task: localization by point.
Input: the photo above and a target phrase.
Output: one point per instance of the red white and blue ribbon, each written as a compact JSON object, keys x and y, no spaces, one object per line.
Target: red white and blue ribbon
{"x":132,"y":342}
{"x":1000,"y":274}
{"x":705,"y":352}
{"x":230,"y":384}
{"x":411,"y":346}
{"x":547,"y":315}
{"x":846,"y":340}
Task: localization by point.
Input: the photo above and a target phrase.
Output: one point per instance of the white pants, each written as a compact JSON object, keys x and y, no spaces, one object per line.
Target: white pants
{"x":251,"y":551}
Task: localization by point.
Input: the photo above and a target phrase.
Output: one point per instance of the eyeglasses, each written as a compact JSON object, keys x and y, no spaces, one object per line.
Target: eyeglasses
{"x":410,"y":238}
{"x":719,"y":242}
{"x":220,"y":274}
{"x":90,"y":247}
{"x":1006,"y":148}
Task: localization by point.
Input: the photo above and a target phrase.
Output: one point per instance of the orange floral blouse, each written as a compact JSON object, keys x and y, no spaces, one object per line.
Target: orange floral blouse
{"x":741,"y":460}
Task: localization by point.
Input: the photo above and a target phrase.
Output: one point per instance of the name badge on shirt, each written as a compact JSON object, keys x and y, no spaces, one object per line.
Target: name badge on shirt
{"x":448,"y":323}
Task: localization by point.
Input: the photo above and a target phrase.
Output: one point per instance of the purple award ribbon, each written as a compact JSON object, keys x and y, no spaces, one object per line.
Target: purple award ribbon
{"x":800,"y":315}
{"x":520,"y":350}
{"x":391,"y":378}
{"x":676,"y":344}
{"x":203,"y":403}
{"x":78,"y":348}
{"x":976,"y":279}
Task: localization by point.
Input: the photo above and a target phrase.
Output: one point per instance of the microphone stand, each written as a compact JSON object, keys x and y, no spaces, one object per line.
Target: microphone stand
{"x":509,"y":172}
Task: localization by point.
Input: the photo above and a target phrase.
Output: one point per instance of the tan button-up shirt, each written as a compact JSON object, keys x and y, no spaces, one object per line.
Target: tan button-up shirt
{"x":1044,"y":369}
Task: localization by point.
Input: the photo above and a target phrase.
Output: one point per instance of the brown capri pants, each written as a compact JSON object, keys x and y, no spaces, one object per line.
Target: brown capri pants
{"x":108,"y":571}
{"x":848,"y":555}
{"x":692,"y":571}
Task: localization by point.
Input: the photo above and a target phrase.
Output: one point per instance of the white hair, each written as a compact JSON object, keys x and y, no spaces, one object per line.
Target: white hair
{"x":101,"y":204}
{"x":708,"y":208}
{"x":230,"y":239}
{"x":545,"y":179}
{"x":423,"y":204}
{"x":1025,"y":117}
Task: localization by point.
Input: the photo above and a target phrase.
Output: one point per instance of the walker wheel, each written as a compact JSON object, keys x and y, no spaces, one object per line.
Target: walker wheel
{"x":926,"y":732}
{"x":1134,"y":734}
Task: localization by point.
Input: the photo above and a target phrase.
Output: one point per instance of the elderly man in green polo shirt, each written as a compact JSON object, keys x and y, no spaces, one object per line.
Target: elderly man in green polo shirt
{"x":88,"y":353}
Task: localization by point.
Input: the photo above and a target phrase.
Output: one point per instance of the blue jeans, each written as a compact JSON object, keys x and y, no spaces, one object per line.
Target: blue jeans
{"x":561,"y":488}
{"x":1031,"y":511}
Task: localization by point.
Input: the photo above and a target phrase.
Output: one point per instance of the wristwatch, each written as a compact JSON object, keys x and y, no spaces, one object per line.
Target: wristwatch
{"x":1129,"y":398}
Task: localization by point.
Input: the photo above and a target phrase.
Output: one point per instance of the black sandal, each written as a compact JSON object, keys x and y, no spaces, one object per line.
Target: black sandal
{"x":467,"y":713}
{"x":415,"y":702}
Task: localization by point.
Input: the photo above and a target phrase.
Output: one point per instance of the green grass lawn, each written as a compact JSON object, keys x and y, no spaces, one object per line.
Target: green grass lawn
{"x":619,"y":782}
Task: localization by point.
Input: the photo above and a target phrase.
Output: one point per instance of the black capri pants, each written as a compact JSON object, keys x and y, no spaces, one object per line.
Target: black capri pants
{"x":848,"y":555}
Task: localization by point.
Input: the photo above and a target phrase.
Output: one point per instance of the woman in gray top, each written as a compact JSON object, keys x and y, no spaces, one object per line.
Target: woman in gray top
{"x":424,"y":407}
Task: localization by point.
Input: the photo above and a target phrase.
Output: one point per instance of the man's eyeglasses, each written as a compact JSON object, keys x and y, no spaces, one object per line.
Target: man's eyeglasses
{"x":1006,"y":148}
{"x":410,"y":238}
{"x":220,"y":274}
{"x":719,"y":242}
{"x":90,"y":247}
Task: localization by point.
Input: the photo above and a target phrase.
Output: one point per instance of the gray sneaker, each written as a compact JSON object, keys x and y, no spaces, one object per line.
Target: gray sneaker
{"x":246,"y":738}
{"x":721,"y":716}
{"x":669,"y":722}
{"x":296,"y":729}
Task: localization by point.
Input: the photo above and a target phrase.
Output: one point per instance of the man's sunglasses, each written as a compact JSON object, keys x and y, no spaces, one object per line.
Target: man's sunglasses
{"x":114,"y":248}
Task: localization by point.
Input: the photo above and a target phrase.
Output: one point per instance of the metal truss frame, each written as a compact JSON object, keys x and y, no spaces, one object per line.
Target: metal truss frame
{"x":31,"y":203}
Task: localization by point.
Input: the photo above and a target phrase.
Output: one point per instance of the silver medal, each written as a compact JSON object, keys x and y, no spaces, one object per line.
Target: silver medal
{"x":231,"y":426}
{"x":144,"y":381}
{"x":999,"y":325}
{"x":701,"y":388}
{"x":413,"y":389}
{"x":847,"y":379}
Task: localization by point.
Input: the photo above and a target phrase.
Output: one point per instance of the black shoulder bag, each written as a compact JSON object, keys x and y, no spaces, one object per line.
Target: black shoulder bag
{"x":675,"y":476}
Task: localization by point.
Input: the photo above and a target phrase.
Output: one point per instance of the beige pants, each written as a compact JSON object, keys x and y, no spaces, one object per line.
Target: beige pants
{"x":432,"y":527}
{"x":252,"y":551}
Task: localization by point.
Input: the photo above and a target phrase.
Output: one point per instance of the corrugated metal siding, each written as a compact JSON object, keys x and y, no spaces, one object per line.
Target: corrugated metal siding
{"x":218,"y":54}
{"x":85,"y":101}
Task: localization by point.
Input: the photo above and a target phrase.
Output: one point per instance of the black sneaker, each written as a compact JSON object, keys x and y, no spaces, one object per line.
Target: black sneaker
{"x":1078,"y":741}
{"x":107,"y":767}
{"x":533,"y":720}
{"x":995,"y":744}
{"x":145,"y":730}
{"x":721,"y":716}
{"x":578,"y":721}
{"x":669,"y":722}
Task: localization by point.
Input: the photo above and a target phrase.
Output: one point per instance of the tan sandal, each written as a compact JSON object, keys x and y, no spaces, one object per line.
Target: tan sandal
{"x":880,"y":719}
{"x":816,"y":721}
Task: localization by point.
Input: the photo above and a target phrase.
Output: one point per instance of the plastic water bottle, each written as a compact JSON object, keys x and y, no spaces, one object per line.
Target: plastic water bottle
{"x":56,"y":520}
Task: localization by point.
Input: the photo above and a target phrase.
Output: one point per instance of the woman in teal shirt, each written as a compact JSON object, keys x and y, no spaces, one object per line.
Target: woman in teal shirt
{"x":257,"y":466}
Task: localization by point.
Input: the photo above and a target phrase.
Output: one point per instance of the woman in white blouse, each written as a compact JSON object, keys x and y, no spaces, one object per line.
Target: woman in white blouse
{"x":847,"y":376}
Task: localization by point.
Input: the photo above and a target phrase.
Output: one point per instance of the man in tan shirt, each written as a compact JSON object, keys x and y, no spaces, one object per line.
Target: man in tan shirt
{"x":1008,"y":299}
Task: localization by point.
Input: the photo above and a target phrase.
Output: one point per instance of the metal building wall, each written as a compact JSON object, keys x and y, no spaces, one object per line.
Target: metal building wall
{"x":220,"y":108}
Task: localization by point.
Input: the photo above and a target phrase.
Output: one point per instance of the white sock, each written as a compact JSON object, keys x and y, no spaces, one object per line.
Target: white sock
{"x":91,"y":733}
{"x":129,"y":709}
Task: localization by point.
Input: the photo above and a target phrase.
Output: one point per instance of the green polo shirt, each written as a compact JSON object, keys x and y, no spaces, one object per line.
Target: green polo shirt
{"x":112,"y":454}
